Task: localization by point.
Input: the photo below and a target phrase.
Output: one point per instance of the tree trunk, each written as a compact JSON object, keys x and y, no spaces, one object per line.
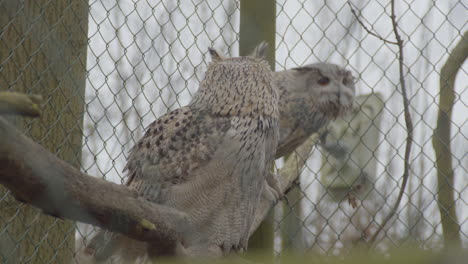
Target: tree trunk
{"x":257,"y":24}
{"x":43,"y":51}
{"x":441,"y":142}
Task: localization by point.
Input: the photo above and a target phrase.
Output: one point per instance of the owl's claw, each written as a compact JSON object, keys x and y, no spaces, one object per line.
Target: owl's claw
{"x":272,"y":189}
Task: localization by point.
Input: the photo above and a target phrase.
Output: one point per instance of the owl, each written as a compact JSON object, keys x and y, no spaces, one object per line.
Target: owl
{"x":311,"y":96}
{"x":210,"y":159}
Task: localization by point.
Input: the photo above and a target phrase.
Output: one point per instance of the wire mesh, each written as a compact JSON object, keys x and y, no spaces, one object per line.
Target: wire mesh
{"x":145,"y":58}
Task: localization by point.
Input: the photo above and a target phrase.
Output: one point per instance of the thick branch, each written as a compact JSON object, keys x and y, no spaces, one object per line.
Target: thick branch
{"x":441,"y":141}
{"x":20,"y":104}
{"x":37,"y":177}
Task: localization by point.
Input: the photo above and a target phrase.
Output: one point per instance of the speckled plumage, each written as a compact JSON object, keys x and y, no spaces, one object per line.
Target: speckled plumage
{"x":210,"y":158}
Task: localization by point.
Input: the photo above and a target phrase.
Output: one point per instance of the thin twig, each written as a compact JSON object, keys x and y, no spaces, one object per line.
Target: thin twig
{"x":408,"y":121}
{"x":367,"y":29}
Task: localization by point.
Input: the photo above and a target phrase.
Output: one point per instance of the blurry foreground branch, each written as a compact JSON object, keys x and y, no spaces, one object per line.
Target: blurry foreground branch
{"x":441,"y":141}
{"x":37,"y":177}
{"x":20,"y":104}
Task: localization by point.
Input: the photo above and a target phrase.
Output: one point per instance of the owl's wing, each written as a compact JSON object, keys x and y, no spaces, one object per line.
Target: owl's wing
{"x":173,"y":147}
{"x":298,"y":125}
{"x":289,"y":142}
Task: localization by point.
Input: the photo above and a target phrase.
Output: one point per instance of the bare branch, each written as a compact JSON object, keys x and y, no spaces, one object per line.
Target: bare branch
{"x":37,"y":177}
{"x":367,"y":29}
{"x":408,"y":122}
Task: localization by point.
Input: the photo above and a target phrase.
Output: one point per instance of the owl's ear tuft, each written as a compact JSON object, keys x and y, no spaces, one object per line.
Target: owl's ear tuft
{"x":215,"y":55}
{"x":261,"y":50}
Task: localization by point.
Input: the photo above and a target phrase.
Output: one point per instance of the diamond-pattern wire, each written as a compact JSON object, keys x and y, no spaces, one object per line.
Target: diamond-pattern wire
{"x":147,"y":57}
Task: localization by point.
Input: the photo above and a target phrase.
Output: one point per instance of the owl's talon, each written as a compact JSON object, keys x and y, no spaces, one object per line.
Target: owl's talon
{"x":271,"y":189}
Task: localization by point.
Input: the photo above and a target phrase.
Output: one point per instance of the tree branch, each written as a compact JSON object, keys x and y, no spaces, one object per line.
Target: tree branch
{"x":20,"y":104}
{"x":37,"y":177}
{"x":367,"y":29}
{"x":408,"y":121}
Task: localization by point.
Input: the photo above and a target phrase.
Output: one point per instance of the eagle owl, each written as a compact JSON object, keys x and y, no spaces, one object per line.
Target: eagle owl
{"x":310,"y":97}
{"x":210,"y":158}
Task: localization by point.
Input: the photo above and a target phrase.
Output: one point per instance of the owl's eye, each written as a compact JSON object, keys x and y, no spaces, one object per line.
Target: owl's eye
{"x":323,"y":81}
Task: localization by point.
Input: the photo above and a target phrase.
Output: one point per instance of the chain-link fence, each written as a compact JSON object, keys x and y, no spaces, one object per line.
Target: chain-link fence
{"x":145,"y":58}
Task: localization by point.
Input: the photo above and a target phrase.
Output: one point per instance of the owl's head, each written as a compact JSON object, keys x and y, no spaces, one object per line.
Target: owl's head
{"x":326,"y":87}
{"x":238,"y":85}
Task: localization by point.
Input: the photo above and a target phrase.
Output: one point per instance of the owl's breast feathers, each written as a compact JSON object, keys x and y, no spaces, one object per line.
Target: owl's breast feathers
{"x":210,"y":166}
